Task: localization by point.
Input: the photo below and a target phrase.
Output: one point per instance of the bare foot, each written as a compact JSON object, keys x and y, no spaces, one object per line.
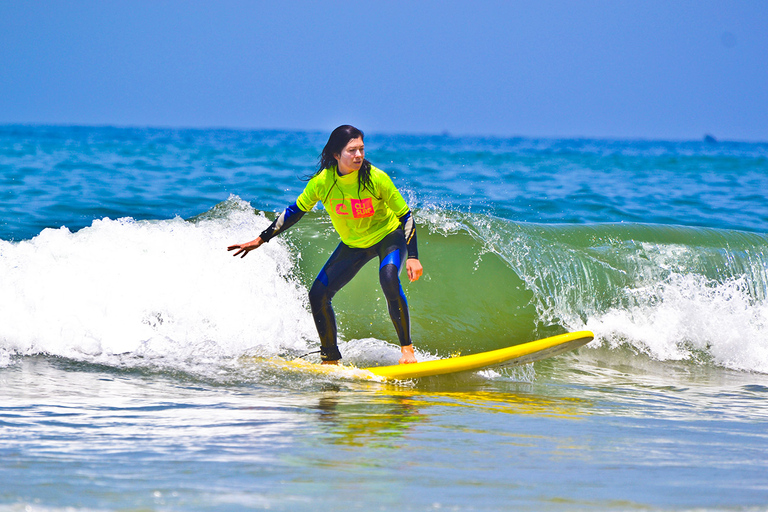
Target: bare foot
{"x":408,"y":355}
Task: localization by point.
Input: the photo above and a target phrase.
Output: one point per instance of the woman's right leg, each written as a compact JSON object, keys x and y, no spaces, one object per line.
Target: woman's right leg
{"x":340,"y":268}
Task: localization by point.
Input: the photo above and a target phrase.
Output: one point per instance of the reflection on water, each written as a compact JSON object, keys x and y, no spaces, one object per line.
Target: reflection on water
{"x":382,"y":416}
{"x":583,"y":433}
{"x":381,"y":421}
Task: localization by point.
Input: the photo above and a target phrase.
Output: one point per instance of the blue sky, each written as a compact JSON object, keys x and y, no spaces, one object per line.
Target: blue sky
{"x":550,"y":68}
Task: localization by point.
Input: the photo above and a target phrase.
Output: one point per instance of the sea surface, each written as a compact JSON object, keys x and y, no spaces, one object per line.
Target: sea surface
{"x":140,"y":362}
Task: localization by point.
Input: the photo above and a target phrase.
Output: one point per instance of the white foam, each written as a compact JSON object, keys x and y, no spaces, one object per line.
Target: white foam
{"x":671,"y":301}
{"x":151,"y":288}
{"x":374,"y":352}
{"x":688,"y":316}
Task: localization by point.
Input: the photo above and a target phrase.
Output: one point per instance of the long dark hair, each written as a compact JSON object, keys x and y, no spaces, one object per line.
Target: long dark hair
{"x":338,"y":140}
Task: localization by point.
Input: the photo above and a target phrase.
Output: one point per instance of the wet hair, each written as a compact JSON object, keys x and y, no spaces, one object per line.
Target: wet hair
{"x":338,"y":140}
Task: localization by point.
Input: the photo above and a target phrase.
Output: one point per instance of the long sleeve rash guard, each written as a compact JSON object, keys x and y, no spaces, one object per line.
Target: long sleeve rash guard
{"x":361,"y":216}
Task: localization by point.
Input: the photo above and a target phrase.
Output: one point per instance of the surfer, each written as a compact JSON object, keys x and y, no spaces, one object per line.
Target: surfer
{"x":371,"y":218}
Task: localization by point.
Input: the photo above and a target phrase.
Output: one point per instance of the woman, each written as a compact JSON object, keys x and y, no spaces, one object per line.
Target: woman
{"x":371,"y":218}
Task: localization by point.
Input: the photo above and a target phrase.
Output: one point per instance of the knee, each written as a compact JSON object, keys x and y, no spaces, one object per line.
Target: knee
{"x":318,"y":294}
{"x":390,"y":281}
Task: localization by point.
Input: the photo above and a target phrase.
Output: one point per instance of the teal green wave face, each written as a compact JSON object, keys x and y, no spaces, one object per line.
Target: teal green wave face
{"x":466,"y":298}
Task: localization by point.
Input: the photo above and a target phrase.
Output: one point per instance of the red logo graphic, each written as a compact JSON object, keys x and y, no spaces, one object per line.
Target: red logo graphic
{"x":341,"y":209}
{"x":362,"y":208}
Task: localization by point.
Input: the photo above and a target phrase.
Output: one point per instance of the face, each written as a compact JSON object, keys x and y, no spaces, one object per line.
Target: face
{"x":351,"y":157}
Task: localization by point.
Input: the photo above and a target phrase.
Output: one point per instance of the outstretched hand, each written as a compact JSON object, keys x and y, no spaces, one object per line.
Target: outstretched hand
{"x":245,"y":248}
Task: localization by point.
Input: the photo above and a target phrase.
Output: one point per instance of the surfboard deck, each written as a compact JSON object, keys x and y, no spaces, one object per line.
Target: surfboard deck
{"x":502,"y":358}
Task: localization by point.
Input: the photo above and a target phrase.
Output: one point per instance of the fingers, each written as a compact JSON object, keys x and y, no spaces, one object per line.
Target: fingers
{"x":241,"y":249}
{"x":414,"y":269}
{"x":244,"y":249}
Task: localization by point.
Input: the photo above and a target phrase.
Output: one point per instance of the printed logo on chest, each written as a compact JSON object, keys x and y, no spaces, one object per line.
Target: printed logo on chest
{"x":362,"y":208}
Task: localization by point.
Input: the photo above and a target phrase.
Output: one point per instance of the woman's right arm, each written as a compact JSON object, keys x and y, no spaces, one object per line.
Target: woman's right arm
{"x":288,"y":218}
{"x":285,"y":220}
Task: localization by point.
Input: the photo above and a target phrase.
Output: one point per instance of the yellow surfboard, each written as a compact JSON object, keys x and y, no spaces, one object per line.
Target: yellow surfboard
{"x":501,"y":358}
{"x":505,"y":357}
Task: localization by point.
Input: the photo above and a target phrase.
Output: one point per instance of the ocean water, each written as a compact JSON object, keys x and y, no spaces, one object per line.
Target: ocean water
{"x":137,"y":357}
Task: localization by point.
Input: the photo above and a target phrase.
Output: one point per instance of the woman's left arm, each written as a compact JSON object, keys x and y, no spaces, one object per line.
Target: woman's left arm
{"x":412,"y":265}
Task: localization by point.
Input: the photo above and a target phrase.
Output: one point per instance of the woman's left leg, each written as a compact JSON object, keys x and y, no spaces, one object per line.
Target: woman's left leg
{"x":392,"y":254}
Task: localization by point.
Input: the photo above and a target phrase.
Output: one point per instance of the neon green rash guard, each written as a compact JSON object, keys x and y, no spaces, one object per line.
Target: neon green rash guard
{"x":361,"y":217}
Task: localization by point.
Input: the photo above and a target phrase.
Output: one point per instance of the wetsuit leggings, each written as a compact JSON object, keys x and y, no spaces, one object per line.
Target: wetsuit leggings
{"x":341,"y":267}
